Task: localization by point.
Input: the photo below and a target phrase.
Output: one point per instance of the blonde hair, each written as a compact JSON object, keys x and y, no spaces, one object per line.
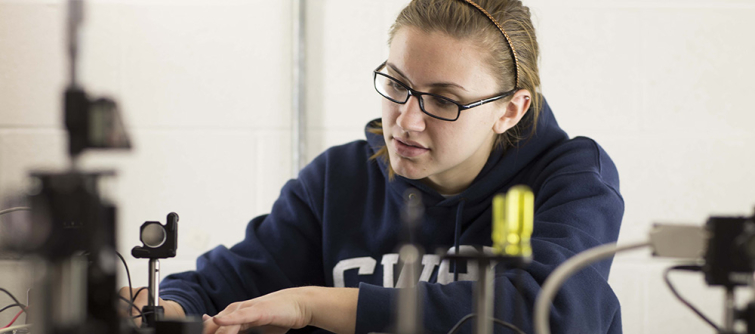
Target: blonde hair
{"x":461,"y":20}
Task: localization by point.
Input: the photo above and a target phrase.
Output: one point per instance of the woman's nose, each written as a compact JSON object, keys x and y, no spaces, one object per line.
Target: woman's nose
{"x":411,"y":119}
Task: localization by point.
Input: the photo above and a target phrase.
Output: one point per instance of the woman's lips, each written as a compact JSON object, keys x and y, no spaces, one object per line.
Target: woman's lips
{"x":408,"y":149}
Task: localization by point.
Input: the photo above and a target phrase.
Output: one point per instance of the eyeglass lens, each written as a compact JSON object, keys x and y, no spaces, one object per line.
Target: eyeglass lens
{"x":397,"y":92}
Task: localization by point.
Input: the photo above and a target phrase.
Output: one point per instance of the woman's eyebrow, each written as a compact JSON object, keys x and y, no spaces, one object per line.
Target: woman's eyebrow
{"x":437,"y":84}
{"x":446,"y":85}
{"x":395,"y":69}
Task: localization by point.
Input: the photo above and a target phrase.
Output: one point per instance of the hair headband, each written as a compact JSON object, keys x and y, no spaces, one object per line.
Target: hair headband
{"x":505,"y":35}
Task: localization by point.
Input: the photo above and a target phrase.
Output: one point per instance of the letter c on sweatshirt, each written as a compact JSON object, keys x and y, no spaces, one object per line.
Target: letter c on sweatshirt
{"x":366,"y":266}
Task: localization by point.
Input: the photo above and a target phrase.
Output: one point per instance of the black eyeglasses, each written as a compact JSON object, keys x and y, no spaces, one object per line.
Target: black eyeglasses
{"x":431,"y":104}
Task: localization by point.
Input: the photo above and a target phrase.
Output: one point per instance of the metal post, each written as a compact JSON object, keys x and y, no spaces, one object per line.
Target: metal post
{"x":729,"y":310}
{"x":484,"y":299}
{"x":154,"y":282}
{"x":75,"y":18}
{"x":409,"y":309}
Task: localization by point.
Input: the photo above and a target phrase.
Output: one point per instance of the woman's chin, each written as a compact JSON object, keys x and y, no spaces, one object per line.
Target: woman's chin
{"x":409,"y":172}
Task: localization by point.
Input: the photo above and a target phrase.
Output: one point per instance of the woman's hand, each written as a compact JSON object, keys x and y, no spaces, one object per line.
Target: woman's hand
{"x":333,"y":309}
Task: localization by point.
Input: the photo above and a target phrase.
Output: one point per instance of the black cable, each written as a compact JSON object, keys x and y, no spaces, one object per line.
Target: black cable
{"x":14,"y":299}
{"x":681,"y":299}
{"x":132,"y":295}
{"x":20,"y":208}
{"x":131,"y":305}
{"x":139,"y":291}
{"x":455,"y":328}
{"x":143,"y":314}
{"x":128,"y":275}
{"x":508,"y":325}
{"x":457,"y":239}
{"x":466,"y":318}
{"x":136,"y":294}
{"x":9,"y":306}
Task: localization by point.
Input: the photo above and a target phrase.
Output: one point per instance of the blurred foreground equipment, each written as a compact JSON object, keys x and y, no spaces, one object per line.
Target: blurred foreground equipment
{"x":71,"y":228}
{"x":723,"y":250}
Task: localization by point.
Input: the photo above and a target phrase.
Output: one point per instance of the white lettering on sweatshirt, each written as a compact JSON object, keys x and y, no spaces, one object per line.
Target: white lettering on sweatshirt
{"x":366,"y":266}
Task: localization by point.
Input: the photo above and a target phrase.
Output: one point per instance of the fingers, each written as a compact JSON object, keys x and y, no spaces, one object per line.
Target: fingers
{"x":228,"y":330}
{"x":273,"y":313}
{"x":210,"y":327}
{"x":245,"y":316}
{"x":253,"y":313}
{"x":234,"y":318}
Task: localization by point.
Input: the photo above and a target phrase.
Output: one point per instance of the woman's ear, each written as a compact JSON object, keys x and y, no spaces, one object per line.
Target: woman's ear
{"x":515,"y":110}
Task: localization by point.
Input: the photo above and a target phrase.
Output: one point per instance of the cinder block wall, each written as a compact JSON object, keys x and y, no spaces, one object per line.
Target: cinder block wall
{"x":205,"y":87}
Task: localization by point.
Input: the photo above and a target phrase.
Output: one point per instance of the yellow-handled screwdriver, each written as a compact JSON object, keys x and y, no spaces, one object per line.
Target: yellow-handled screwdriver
{"x":513,"y":218}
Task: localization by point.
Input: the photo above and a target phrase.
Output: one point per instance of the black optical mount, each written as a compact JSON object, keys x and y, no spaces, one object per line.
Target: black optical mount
{"x":158,"y":242}
{"x":730,"y":262}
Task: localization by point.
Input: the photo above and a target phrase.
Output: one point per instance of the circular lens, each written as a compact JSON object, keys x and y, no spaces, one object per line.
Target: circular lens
{"x":153,"y":235}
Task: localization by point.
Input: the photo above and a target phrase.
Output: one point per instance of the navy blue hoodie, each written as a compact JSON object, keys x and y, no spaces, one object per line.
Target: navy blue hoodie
{"x":338,"y":224}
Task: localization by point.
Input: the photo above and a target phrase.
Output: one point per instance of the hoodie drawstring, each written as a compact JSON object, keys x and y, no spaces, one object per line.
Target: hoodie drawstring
{"x":457,"y":235}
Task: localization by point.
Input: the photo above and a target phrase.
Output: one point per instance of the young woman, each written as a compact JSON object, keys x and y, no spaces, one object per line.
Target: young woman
{"x":461,"y":122}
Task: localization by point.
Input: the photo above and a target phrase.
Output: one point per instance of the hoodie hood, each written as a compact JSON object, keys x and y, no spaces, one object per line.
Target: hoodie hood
{"x":502,"y":164}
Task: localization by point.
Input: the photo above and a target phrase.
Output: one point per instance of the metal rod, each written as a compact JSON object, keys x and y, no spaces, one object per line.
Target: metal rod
{"x":298,"y":119}
{"x":154,"y":282}
{"x":409,"y":309}
{"x":484,"y":299}
{"x":75,"y":18}
{"x":729,"y":310}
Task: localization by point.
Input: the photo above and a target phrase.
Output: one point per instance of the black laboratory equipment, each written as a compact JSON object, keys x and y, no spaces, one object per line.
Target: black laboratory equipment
{"x":71,"y":228}
{"x":158,"y":242}
{"x":729,"y":263}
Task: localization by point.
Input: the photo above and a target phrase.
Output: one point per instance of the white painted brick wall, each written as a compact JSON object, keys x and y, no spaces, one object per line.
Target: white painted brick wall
{"x":205,"y":90}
